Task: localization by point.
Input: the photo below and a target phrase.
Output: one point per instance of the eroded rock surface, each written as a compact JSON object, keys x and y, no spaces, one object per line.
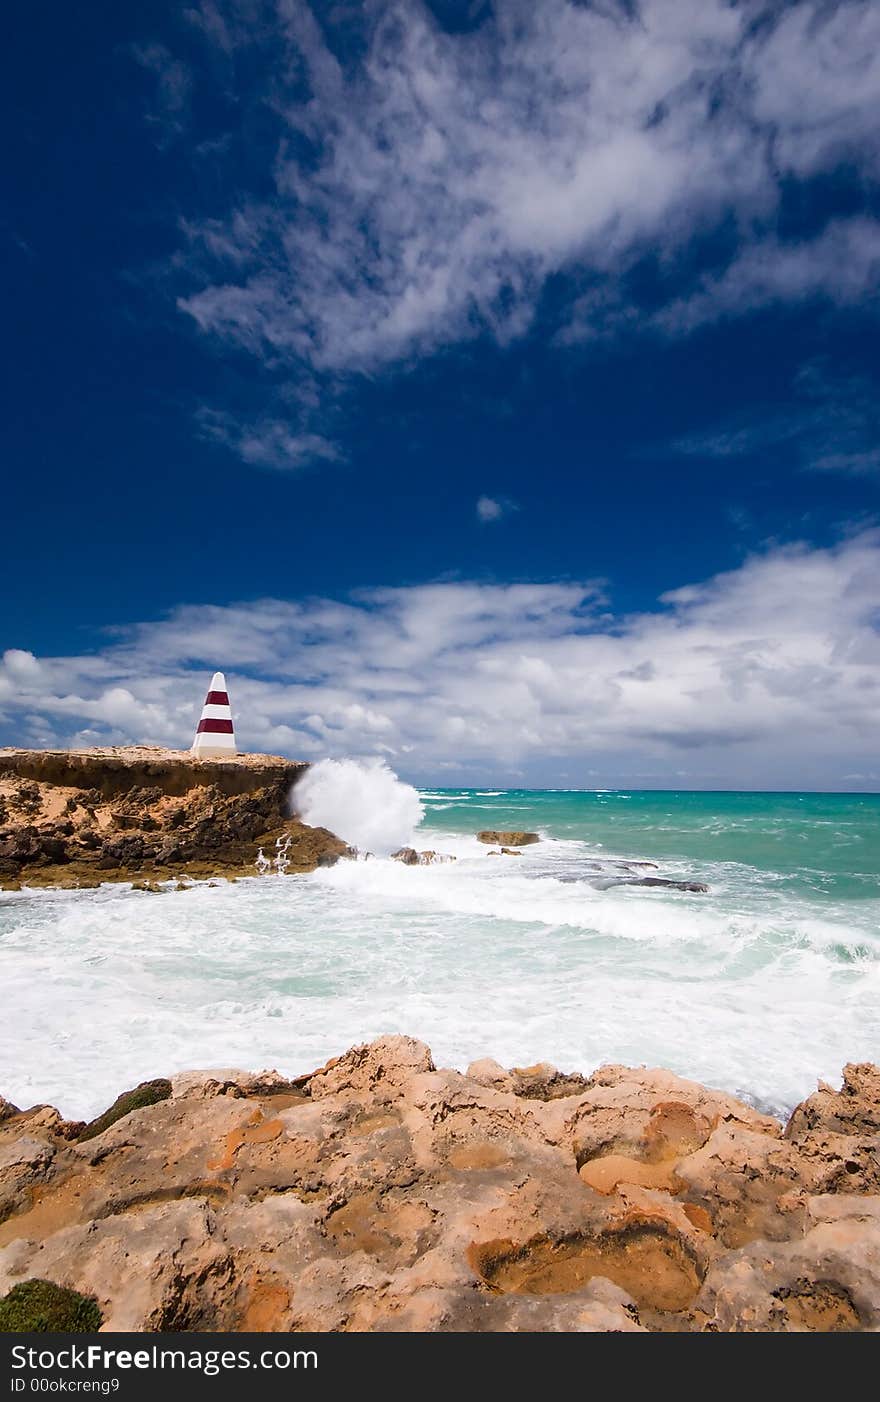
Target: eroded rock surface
{"x":79,"y":817}
{"x":379,"y":1193}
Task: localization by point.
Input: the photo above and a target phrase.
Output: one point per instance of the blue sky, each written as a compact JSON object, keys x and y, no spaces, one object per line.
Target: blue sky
{"x":487,"y":387}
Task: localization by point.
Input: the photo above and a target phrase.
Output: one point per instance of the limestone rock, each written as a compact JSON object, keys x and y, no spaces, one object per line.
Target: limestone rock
{"x":388,"y":1060}
{"x":545,"y":1082}
{"x":827,"y":1280}
{"x":855,"y":1109}
{"x":653,"y":1114}
{"x":747,"y":1181}
{"x":378,"y":1193}
{"x":24,"y":1163}
{"x":79,"y":817}
{"x":7,"y":1109}
{"x":411,"y":858}
{"x":487,"y":1072}
{"x":203,"y":1085}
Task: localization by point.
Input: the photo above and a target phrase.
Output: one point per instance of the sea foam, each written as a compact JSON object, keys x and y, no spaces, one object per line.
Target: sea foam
{"x":760,"y":987}
{"x":362,"y":801}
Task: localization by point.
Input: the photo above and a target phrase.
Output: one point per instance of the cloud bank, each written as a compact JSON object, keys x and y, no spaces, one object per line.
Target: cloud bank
{"x":768,"y":675}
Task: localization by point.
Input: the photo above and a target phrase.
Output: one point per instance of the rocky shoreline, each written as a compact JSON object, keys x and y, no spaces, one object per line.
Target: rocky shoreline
{"x":74,"y":818}
{"x":379,"y":1193}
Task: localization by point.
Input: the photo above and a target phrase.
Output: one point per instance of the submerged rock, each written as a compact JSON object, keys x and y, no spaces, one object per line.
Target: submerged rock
{"x":696,"y":886}
{"x":508,"y":839}
{"x":379,"y":1193}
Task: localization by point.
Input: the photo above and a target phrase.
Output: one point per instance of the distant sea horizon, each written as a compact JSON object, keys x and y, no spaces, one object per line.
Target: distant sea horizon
{"x":425,"y":786}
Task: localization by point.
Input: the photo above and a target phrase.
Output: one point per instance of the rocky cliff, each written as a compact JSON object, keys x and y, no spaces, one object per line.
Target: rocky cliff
{"x":379,"y":1193}
{"x":79,"y":817}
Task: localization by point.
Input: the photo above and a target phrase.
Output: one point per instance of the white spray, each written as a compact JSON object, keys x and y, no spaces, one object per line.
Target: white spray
{"x":362,"y":801}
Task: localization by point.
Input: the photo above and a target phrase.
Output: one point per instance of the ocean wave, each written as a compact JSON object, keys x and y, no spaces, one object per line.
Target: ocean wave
{"x":766,"y":983}
{"x":476,"y":961}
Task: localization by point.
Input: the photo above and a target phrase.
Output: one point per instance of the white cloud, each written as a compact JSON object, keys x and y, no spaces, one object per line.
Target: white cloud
{"x":859,"y":464}
{"x":425,"y":190}
{"x":816,"y":77}
{"x":841,"y":264}
{"x":832,"y":425}
{"x":269,"y":442}
{"x":19,"y":664}
{"x":768,"y":674}
{"x":493,"y":508}
{"x":172,"y":91}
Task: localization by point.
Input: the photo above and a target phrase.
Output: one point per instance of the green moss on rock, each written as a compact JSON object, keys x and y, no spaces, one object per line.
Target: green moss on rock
{"x":147,"y":1093}
{"x":41,"y":1307}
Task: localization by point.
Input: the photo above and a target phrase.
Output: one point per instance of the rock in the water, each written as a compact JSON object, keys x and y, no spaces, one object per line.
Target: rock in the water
{"x":379,"y":1193}
{"x":408,"y":855}
{"x":508,"y":839}
{"x":411,"y":858}
{"x":695,"y":886}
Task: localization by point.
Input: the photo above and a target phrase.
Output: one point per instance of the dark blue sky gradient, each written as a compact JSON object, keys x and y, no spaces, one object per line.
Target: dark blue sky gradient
{"x":106,"y":473}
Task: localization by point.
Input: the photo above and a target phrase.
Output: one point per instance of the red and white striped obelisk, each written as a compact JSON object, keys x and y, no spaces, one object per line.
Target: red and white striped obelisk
{"x":215,"y":737}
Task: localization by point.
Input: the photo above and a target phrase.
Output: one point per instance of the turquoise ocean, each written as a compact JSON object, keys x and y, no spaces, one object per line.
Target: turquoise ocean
{"x":765,"y":983}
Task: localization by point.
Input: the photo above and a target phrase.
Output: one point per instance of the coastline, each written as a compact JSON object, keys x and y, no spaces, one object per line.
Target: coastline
{"x":74,"y":819}
{"x":380,"y":1193}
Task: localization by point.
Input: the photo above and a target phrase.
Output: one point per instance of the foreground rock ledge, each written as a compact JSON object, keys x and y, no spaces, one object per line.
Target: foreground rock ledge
{"x":80,"y":817}
{"x":382,"y":1194}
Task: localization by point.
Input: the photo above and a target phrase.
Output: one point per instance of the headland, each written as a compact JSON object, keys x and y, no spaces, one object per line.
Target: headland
{"x":76,"y":818}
